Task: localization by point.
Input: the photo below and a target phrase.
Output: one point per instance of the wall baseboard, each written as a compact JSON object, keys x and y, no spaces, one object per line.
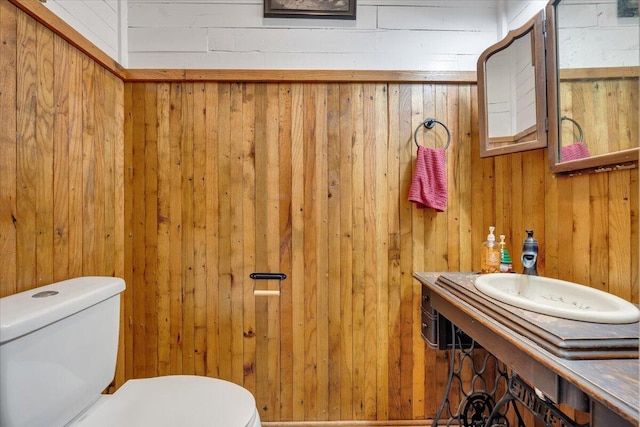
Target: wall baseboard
{"x":406,"y":423}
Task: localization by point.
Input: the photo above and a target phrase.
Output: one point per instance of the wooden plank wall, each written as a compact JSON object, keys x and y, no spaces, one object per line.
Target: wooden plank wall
{"x":61,"y":159}
{"x":607,"y":126}
{"x":186,"y":188}
{"x":309,"y":179}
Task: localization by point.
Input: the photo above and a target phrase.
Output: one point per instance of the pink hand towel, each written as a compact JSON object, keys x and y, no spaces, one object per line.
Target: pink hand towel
{"x":429,"y":184}
{"x":575,"y":151}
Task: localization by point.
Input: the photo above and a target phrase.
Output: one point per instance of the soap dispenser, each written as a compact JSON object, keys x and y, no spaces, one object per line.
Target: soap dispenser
{"x":506,"y":265}
{"x":530,"y":254}
{"x":490,"y":261}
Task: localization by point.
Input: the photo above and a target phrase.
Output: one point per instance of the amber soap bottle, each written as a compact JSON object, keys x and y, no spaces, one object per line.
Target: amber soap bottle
{"x":490,"y":261}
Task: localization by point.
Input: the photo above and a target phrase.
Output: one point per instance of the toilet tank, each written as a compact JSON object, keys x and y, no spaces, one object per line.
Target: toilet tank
{"x":58,"y":349}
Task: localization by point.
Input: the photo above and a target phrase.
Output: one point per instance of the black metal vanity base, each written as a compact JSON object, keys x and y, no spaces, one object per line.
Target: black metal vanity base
{"x":478,"y":407}
{"x":477,"y":399}
{"x":543,"y":409}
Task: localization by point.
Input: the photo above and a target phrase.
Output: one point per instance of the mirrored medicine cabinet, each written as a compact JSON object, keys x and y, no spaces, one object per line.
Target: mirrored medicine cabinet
{"x":585,"y":87}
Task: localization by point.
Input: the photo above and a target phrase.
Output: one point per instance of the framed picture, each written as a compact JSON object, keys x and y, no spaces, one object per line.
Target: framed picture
{"x":332,"y":9}
{"x":627,"y":8}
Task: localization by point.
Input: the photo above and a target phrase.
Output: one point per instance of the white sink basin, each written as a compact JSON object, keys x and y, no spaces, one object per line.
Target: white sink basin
{"x":557,"y":298}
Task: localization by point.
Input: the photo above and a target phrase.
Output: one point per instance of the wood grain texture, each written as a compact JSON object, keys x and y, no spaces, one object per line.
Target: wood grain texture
{"x":8,"y":148}
{"x":61,"y":152}
{"x":184,"y":188}
{"x":603,"y":110}
{"x":344,"y":155}
{"x":303,"y":179}
{"x":300,"y":76}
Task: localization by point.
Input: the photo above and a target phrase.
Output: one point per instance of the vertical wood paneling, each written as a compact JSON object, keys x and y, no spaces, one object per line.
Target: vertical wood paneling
{"x":422,"y":373}
{"x":164,"y":227}
{"x":311,"y":179}
{"x":371,"y":225}
{"x":311,"y":246}
{"x":173,"y":172}
{"x":44,"y":154}
{"x":408,"y":361}
{"x":212,"y":233}
{"x":589,"y":101}
{"x":634,"y":238}
{"x":89,"y":224}
{"x":333,"y":247}
{"x":346,"y":249}
{"x":122,"y":247}
{"x":358,"y":263}
{"x":297,"y":284}
{"x":335,"y":141}
{"x":186,"y":188}
{"x":126,"y":313}
{"x":62,"y":162}
{"x":8,"y":148}
{"x":466,"y":143}
{"x":285,"y":209}
{"x":237,"y":147}
{"x":619,"y":232}
{"x":26,"y":165}
{"x":138,"y":229}
{"x":272,"y":231}
{"x":99,"y":175}
{"x":200,"y":181}
{"x":394,"y":296}
{"x":76,"y":201}
{"x":224,"y":239}
{"x":148,"y":221}
{"x":383,"y":208}
{"x":245,"y":359}
{"x":186,"y":300}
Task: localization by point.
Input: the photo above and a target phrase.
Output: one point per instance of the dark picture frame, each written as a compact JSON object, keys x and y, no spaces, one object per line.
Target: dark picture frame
{"x":627,"y":8}
{"x":330,"y":9}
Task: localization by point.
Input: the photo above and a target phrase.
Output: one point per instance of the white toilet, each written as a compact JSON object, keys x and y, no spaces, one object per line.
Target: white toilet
{"x":58,"y":348}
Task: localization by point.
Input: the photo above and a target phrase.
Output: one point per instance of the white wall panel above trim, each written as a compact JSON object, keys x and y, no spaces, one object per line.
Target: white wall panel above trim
{"x":168,"y":39}
{"x":450,"y":18}
{"x":403,"y":35}
{"x":399,"y":35}
{"x":102,"y":22}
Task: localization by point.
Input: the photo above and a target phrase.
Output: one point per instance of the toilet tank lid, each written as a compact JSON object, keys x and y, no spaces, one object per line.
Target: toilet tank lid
{"x":28,"y":311}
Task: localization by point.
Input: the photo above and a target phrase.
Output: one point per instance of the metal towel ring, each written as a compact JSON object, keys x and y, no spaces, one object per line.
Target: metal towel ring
{"x":429,"y":124}
{"x":581,"y":135}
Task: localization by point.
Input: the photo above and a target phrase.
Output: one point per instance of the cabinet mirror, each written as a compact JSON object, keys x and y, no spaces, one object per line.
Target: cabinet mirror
{"x":512,"y":92}
{"x":592,"y":69}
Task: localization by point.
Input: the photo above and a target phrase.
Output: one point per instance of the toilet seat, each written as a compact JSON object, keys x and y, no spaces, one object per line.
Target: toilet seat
{"x":178,"y":400}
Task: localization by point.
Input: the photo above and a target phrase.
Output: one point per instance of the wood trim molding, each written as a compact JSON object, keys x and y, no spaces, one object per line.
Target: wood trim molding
{"x":311,"y":76}
{"x":522,"y":136}
{"x":599,"y":73}
{"x":45,"y":16}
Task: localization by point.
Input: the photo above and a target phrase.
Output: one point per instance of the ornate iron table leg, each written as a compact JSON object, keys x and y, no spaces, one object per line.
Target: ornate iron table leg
{"x":540,"y":407}
{"x":477,"y":399}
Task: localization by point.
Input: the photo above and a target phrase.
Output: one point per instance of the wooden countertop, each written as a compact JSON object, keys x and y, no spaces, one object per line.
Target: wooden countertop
{"x":612,"y":384}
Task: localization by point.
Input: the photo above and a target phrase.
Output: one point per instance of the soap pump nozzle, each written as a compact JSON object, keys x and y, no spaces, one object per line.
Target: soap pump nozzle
{"x":530,"y":254}
{"x":505,"y":258}
{"x":491,"y":237}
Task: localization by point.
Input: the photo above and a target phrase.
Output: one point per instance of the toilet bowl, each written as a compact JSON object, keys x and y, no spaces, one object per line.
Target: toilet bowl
{"x":178,"y":400}
{"x":58,"y":350}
